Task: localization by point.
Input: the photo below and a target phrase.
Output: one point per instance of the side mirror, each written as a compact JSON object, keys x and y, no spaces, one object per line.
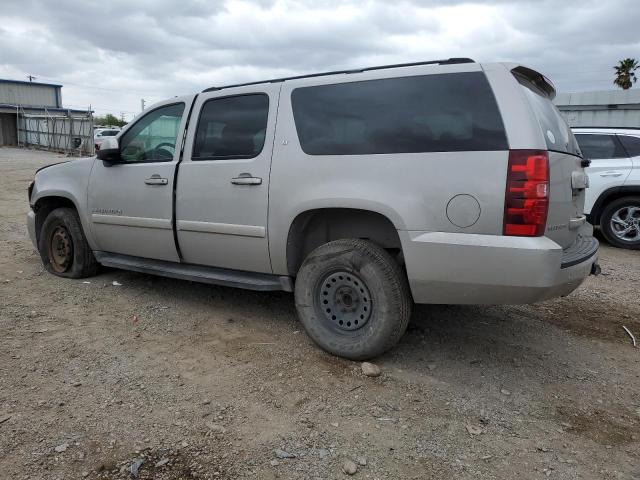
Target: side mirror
{"x":110,"y":151}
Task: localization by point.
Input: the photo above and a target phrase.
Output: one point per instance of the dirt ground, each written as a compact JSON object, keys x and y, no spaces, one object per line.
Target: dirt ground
{"x":197,"y":381}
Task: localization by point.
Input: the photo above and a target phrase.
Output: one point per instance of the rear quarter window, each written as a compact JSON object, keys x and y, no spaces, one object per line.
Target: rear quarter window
{"x":431,"y":113}
{"x":631,"y":145}
{"x":556,"y":131}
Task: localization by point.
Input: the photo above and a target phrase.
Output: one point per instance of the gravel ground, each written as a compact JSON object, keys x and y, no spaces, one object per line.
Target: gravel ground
{"x":196,"y":381}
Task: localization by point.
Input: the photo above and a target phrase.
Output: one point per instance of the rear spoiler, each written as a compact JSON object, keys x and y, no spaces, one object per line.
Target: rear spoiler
{"x":538,"y":80}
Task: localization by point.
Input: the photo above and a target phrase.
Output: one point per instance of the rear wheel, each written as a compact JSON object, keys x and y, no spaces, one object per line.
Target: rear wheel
{"x":353,"y":299}
{"x":63,"y":247}
{"x":620,"y":223}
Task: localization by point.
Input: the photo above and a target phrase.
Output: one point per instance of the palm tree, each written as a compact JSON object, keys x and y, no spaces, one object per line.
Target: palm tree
{"x":625,"y":73}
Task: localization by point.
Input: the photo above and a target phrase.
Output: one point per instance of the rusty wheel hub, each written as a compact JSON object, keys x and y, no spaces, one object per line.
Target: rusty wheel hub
{"x":60,"y":249}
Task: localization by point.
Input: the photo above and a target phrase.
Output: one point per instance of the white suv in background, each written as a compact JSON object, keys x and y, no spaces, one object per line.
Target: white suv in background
{"x":613,"y":198}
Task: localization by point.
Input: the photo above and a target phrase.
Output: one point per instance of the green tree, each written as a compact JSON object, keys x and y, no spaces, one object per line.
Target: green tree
{"x":109,"y":120}
{"x":625,"y":73}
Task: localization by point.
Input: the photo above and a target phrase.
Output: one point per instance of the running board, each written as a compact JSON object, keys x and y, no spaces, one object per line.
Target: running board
{"x":197,"y":273}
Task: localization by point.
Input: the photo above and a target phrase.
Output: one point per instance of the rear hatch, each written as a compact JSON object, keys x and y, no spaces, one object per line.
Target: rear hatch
{"x":567,"y":180}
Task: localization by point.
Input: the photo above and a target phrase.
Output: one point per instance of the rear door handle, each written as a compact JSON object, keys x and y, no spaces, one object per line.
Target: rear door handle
{"x":246,"y":179}
{"x":611,"y":174}
{"x":156,"y":179}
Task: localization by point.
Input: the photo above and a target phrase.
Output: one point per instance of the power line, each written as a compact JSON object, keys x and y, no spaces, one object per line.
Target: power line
{"x":95,"y":87}
{"x":105,"y":108}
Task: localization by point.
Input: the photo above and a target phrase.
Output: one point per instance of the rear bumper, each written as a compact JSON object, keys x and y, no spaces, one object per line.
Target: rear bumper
{"x":456,"y":268}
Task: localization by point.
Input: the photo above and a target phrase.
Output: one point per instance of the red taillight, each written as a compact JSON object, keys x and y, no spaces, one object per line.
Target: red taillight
{"x":526,"y":200}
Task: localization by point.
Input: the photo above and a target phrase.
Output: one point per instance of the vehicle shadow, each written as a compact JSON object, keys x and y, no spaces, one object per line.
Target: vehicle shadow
{"x":499,"y":340}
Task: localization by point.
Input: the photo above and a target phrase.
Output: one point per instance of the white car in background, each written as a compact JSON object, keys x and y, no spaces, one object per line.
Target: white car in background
{"x":613,"y":197}
{"x":99,"y":134}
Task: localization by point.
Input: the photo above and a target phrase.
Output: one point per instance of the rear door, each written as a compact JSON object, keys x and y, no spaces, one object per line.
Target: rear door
{"x":610,"y":165}
{"x":222,"y":195}
{"x":567,"y":179}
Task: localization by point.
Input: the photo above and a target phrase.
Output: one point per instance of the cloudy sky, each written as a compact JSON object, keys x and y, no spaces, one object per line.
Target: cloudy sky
{"x":110,"y":53}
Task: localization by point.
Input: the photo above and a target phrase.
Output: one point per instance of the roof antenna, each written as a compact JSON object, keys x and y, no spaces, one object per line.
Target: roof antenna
{"x":31,"y":78}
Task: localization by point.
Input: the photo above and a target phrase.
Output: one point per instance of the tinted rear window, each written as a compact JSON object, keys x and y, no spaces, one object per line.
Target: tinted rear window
{"x":600,"y":146}
{"x":631,"y":145}
{"x":557,"y":133}
{"x":431,"y":113}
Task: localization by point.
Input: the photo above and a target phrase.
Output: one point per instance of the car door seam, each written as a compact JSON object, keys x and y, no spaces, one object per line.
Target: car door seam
{"x":175,"y":180}
{"x":273,"y":148}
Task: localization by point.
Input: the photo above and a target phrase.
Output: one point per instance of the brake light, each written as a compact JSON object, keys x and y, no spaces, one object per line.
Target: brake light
{"x":526,"y":200}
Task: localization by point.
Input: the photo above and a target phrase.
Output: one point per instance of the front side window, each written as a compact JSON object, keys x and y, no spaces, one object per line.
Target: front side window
{"x":430,"y":113}
{"x":153,"y":137}
{"x":600,"y":147}
{"x":631,"y":145}
{"x":231,"y":128}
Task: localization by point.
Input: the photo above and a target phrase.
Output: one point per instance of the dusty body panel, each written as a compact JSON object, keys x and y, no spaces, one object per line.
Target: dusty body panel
{"x":447,"y":207}
{"x":412,"y":190}
{"x":67,"y":180}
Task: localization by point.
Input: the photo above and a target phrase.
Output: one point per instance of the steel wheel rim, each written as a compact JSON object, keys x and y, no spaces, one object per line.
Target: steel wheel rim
{"x":344,"y":300}
{"x":625,"y":224}
{"x":60,"y":249}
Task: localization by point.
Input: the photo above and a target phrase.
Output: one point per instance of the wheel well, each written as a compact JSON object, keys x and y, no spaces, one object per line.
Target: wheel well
{"x":608,"y":197}
{"x":313,"y":228}
{"x":44,"y":206}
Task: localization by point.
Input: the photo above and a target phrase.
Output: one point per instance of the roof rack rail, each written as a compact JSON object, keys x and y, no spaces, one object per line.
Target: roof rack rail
{"x":448,"y":61}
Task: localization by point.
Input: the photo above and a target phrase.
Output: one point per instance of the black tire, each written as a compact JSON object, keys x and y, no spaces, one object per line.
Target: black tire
{"x":611,"y":229}
{"x":365,"y":287}
{"x":63,"y":247}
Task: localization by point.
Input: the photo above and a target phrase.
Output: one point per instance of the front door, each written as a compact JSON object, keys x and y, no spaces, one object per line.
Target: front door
{"x":131,"y":203}
{"x":222,"y":195}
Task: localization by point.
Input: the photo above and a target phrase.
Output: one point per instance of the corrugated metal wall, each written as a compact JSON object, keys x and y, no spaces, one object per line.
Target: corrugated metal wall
{"x":602,"y":118}
{"x":27,"y":94}
{"x":608,"y":108}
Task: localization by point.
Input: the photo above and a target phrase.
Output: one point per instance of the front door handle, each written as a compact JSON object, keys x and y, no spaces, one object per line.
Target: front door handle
{"x":246,"y":179}
{"x":156,"y":179}
{"x":611,"y":174}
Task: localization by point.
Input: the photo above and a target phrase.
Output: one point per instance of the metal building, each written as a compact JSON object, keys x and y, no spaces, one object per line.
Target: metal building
{"x":608,"y":108}
{"x":32,"y":114}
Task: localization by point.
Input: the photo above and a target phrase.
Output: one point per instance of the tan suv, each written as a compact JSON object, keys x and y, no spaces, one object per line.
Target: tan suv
{"x":363,"y":191}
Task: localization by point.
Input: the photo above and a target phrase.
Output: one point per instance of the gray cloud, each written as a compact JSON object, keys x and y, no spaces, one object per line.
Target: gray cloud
{"x":110,"y":54}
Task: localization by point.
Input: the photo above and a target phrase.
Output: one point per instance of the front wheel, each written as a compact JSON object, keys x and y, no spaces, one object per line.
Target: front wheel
{"x":353,"y":299}
{"x":63,"y":247}
{"x":620,"y":223}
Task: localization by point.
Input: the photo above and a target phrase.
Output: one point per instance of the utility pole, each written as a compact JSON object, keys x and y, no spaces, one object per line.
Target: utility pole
{"x":142,"y":104}
{"x":31,"y":78}
{"x":122,"y":117}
